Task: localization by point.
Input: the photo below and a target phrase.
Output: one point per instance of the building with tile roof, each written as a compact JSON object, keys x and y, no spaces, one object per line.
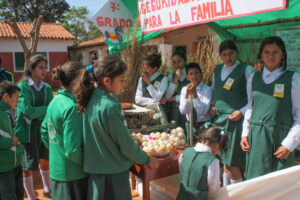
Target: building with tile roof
{"x":53,"y":43}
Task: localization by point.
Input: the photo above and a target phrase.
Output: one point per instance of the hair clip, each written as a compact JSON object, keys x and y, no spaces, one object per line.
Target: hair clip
{"x":90,"y":68}
{"x":207,"y":124}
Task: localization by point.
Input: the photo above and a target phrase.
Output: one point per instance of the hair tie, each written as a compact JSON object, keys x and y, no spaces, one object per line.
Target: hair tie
{"x":222,"y":130}
{"x":90,"y":68}
{"x":207,"y":124}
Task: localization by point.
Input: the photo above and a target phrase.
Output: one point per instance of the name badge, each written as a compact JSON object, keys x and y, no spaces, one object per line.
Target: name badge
{"x":156,"y":84}
{"x":228,"y":84}
{"x":279,"y":90}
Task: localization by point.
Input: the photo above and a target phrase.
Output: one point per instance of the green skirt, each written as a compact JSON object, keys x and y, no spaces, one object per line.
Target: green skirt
{"x":234,"y":156}
{"x":109,"y":186}
{"x":69,"y":190}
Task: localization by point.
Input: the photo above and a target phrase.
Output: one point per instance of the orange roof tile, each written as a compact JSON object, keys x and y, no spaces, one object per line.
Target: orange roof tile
{"x":100,"y":41}
{"x":47,"y":31}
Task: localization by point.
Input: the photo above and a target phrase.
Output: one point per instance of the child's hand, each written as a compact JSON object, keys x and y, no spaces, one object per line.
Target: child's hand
{"x":244,"y":144}
{"x":282,"y":153}
{"x":193,"y":91}
{"x":153,"y":164}
{"x":146,"y":78}
{"x":177,"y":76}
{"x":212,"y":111}
{"x":188,"y":90}
{"x":163,"y":100}
{"x":236,"y":116}
{"x":15,"y":140}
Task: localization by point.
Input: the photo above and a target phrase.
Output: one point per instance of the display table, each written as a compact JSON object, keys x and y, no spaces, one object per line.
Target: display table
{"x":167,"y":166}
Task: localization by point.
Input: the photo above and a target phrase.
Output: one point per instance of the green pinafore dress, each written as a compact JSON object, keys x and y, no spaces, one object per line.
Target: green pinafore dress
{"x":174,"y":112}
{"x":270,"y":123}
{"x":231,"y":95}
{"x":194,"y":175}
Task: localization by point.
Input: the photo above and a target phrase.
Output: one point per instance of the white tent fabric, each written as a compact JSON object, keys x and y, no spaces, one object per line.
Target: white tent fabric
{"x":283,"y":184}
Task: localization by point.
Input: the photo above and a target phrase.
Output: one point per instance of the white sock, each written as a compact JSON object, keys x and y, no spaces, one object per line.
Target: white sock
{"x":28,"y":186}
{"x":226,"y":179}
{"x":46,"y":180}
{"x":236,"y":181}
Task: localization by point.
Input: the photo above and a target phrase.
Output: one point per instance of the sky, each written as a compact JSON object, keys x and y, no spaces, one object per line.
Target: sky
{"x":92,"y":5}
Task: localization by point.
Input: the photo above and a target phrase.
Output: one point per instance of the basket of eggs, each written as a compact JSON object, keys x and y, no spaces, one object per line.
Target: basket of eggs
{"x":160,"y":144}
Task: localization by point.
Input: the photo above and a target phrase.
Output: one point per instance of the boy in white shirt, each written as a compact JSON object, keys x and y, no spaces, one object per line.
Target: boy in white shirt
{"x":201,"y":95}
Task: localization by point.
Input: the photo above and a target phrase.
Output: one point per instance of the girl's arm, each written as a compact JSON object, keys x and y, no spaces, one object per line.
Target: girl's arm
{"x":203,"y":100}
{"x":32,"y":112}
{"x":248,"y":72}
{"x":213,"y":176}
{"x":139,"y":99}
{"x":117,"y":128}
{"x":293,"y":138}
{"x":184,"y":105}
{"x":158,"y":93}
{"x":171,"y":88}
{"x":248,"y":112}
{"x":6,"y":140}
{"x":44,"y":132}
{"x":73,"y":139}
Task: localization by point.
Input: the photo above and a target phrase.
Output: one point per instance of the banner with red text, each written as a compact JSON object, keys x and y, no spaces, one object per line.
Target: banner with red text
{"x":158,"y":15}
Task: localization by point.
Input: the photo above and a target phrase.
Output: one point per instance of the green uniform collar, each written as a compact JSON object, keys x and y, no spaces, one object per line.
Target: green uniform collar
{"x":103,"y":94}
{"x":67,"y":94}
{"x":4,"y":106}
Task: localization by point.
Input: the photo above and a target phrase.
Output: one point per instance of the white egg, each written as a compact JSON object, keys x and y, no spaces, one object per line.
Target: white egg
{"x":174,"y":132}
{"x":145,"y":144}
{"x":176,"y":139}
{"x":179,"y":129}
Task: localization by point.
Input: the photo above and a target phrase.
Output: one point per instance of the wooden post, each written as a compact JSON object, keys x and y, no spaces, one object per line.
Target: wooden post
{"x":191,"y":119}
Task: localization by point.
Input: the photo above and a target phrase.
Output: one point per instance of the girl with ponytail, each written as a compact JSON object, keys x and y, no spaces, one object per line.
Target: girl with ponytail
{"x":62,"y":134}
{"x":109,"y":151}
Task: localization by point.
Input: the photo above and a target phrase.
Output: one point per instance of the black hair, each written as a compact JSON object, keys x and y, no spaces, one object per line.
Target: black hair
{"x":181,"y":52}
{"x":8,"y":87}
{"x":279,"y":42}
{"x":107,"y":66}
{"x":154,"y":60}
{"x":192,"y":65}
{"x":33,"y":62}
{"x":67,"y":74}
{"x":227,"y":44}
{"x":213,"y":134}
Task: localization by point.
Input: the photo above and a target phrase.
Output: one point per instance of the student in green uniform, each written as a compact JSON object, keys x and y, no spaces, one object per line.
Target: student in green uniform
{"x":177,"y":81}
{"x":62,"y":134}
{"x":200,"y":168}
{"x":152,"y":85}
{"x":201,"y":100}
{"x":271,"y":129}
{"x":109,"y":151}
{"x":230,"y":93}
{"x":34,"y":99}
{"x":11,"y":184}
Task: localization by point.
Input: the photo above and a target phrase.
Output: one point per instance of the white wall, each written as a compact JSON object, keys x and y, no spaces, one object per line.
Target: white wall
{"x":13,"y":45}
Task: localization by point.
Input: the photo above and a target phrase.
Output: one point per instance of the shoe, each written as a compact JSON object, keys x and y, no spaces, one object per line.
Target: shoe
{"x":47,"y":194}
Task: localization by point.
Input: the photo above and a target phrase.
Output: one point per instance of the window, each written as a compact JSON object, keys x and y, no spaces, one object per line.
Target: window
{"x":20,"y":61}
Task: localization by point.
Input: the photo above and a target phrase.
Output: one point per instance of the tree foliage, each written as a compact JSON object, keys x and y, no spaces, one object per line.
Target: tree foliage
{"x":27,"y":10}
{"x":77,"y":22}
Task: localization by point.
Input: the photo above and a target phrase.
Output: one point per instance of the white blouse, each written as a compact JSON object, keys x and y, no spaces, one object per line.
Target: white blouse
{"x":172,"y":87}
{"x":156,"y":93}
